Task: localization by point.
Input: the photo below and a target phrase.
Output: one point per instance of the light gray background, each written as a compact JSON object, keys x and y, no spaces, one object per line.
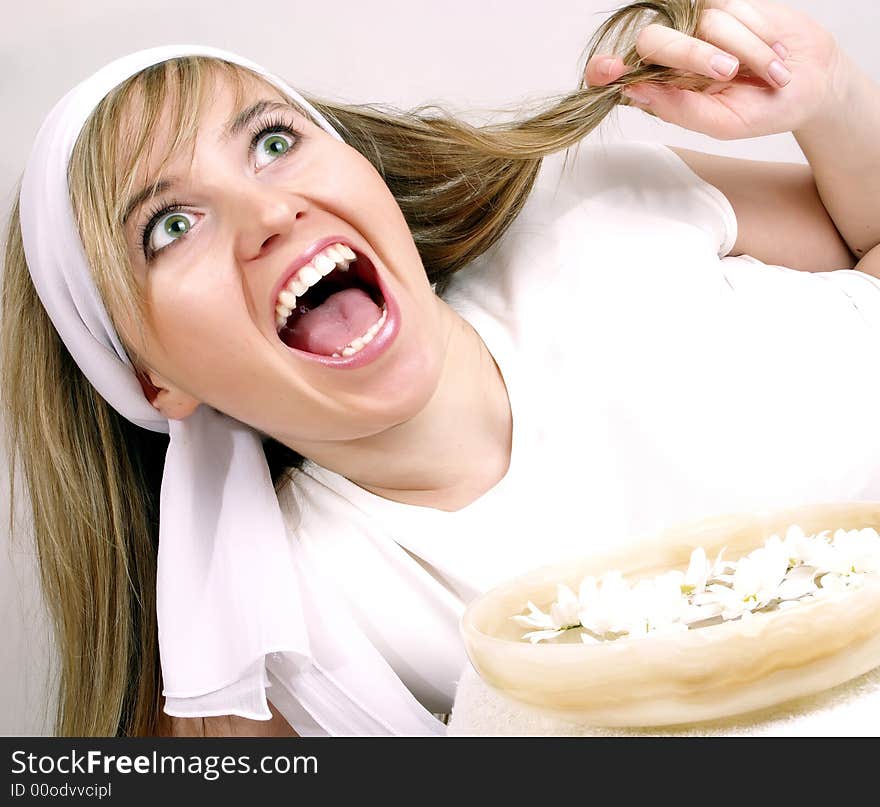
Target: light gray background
{"x":468,"y":56}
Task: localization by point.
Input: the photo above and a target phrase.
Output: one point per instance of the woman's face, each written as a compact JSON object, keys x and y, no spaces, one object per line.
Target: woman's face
{"x":246,"y":211}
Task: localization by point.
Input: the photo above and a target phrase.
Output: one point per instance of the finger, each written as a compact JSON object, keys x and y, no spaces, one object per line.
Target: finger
{"x":659,"y":44}
{"x":753,"y":18}
{"x":696,"y":111}
{"x":603,"y":70}
{"x":729,"y":33}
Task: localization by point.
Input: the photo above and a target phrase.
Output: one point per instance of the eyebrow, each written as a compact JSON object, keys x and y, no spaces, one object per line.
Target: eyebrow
{"x":232,"y":129}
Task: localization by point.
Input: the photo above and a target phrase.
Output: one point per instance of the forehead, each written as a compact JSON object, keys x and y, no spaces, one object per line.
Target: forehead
{"x":164,"y":112}
{"x":186,"y":111}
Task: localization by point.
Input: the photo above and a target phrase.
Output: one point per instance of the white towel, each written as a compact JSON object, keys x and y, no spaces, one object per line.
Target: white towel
{"x":849,"y":710}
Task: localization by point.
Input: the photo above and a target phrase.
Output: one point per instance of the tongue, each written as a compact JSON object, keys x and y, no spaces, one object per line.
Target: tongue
{"x":327,"y":329}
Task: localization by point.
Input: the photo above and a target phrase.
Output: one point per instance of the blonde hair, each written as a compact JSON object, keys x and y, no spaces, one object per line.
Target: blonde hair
{"x":93,"y":477}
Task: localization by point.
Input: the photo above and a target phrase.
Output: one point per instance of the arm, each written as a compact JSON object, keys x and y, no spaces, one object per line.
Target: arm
{"x":788,"y":75}
{"x":780,"y":216}
{"x":224,"y":726}
{"x":844,"y":151}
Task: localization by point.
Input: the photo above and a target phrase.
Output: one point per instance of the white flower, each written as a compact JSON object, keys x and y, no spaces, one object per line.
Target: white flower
{"x":563,"y":615}
{"x":708,"y":608}
{"x":733,"y":603}
{"x":608,"y":610}
{"x":642,"y":600}
{"x":564,"y":612}
{"x":782,"y":573}
{"x":665,"y":604}
{"x":651,"y":605}
{"x":759,"y":574}
{"x":720,"y":567}
{"x":755,"y":581}
{"x":535,"y":619}
{"x":818,"y":551}
{"x":833,"y":582}
{"x":587,"y":590}
{"x":796,"y":545}
{"x":658,"y":606}
{"x":799,"y":582}
{"x":859,"y":549}
{"x":697,"y":573}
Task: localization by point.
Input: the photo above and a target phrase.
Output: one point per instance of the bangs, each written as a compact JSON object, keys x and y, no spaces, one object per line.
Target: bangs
{"x":113,"y":149}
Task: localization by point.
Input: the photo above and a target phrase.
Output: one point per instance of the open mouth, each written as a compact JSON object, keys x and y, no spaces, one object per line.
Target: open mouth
{"x":333,"y":306}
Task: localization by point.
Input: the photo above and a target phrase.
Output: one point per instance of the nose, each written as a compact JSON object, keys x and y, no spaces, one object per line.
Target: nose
{"x":265,"y":217}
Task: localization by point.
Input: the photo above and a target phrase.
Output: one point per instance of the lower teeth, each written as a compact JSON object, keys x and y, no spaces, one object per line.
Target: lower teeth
{"x":356,"y":345}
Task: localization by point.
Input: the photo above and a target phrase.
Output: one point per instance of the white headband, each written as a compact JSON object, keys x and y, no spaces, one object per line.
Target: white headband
{"x":228,"y":588}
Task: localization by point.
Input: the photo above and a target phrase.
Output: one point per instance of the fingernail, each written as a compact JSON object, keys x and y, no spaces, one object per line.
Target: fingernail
{"x":779,"y":72}
{"x":605,"y":67}
{"x":723,"y":65}
{"x":781,"y":52}
{"x":638,"y":95}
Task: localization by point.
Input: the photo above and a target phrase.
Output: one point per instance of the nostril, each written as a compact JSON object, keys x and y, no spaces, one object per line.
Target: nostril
{"x":267,"y":242}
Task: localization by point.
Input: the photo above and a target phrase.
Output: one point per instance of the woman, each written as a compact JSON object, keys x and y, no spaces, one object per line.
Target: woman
{"x":401,"y":465}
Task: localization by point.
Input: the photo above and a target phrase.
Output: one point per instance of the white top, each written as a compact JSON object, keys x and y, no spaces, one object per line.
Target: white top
{"x":652,"y":381}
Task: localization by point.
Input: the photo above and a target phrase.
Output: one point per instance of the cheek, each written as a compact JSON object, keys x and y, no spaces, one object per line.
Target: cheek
{"x":370,"y":205}
{"x":361,"y":193}
{"x":197,"y":312}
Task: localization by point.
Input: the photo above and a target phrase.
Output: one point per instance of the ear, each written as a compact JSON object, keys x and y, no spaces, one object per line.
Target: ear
{"x":172,"y":402}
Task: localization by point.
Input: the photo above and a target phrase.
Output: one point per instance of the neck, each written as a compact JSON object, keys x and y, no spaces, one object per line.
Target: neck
{"x":454,"y":450}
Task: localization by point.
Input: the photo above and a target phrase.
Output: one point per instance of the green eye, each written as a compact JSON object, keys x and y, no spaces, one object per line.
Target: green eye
{"x":275,"y":145}
{"x":166,"y":229}
{"x":176,"y":225}
{"x":271,"y":143}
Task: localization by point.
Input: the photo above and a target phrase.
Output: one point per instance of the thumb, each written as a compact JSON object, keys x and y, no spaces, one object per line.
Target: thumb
{"x":603,"y":69}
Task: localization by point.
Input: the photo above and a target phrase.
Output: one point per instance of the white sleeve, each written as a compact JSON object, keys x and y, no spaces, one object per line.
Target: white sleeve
{"x":654,"y":179}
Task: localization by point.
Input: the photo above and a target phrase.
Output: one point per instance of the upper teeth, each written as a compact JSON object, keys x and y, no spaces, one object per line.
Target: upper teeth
{"x":320,"y":266}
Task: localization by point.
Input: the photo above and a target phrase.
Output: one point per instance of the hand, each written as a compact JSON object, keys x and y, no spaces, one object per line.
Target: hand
{"x":756,"y":97}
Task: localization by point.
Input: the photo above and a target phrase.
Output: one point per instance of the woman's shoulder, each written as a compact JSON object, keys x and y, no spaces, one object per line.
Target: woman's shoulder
{"x":634,"y":170}
{"x":635,"y":179}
